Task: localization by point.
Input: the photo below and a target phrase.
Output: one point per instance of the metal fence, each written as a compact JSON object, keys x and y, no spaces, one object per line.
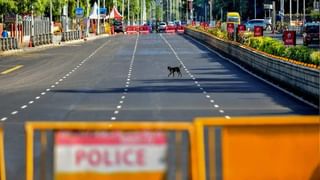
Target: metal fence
{"x":41,"y":26}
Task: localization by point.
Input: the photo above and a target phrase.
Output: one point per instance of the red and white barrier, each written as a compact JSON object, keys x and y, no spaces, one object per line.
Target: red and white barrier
{"x":144,"y":30}
{"x":180,"y":29}
{"x":132,"y":29}
{"x":170,"y":29}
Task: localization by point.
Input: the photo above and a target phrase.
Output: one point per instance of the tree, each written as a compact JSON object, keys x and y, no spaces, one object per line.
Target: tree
{"x":315,"y":15}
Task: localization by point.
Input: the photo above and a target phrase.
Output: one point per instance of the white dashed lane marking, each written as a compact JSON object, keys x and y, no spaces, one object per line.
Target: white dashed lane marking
{"x":194,"y":79}
{"x":127,"y":84}
{"x":14,"y":113}
{"x":57,"y":82}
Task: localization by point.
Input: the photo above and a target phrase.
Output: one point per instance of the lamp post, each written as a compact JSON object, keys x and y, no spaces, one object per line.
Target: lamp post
{"x":51,"y":23}
{"x":210,"y":12}
{"x":255,"y":9}
{"x":98,"y":26}
{"x":32,"y":21}
{"x":304,"y":11}
{"x":290,"y":12}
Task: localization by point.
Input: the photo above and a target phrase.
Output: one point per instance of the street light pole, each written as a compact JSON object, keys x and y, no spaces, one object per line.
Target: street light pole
{"x":290,"y":13}
{"x":98,"y":26}
{"x":88,"y":20}
{"x":255,"y":9}
{"x":51,"y":23}
{"x":282,"y":10}
{"x":210,"y":12}
{"x":304,"y":11}
{"x":128,"y":12}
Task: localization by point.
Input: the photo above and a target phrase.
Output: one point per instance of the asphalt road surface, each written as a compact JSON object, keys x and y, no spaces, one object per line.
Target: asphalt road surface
{"x":126,"y":78}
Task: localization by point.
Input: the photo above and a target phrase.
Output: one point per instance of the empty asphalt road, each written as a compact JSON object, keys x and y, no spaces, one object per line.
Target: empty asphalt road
{"x":125,"y":78}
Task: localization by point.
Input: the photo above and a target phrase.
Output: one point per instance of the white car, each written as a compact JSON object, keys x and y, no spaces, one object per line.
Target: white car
{"x":162,"y":27}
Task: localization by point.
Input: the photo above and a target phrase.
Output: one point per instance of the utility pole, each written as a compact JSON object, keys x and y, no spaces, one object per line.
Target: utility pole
{"x":104,"y":18}
{"x":98,"y":26}
{"x":297,"y":10}
{"x":78,"y":20}
{"x":128,"y":18}
{"x":88,"y":19}
{"x":210,"y":12}
{"x":51,"y":23}
{"x":32,"y":21}
{"x":122,"y":10}
{"x":255,"y":9}
{"x":187,"y":9}
{"x":290,"y":13}
{"x":282,"y":10}
{"x":304,"y":11}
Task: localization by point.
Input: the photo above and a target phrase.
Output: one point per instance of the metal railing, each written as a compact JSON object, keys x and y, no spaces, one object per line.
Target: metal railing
{"x":10,"y":43}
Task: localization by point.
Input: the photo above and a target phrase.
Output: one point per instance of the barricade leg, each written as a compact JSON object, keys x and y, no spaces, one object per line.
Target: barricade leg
{"x":10,"y":43}
{"x":1,"y":39}
{"x":50,"y":38}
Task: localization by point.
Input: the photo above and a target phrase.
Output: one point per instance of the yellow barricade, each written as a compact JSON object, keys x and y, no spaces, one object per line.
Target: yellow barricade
{"x":260,"y":147}
{"x":2,"y":159}
{"x":43,"y":127}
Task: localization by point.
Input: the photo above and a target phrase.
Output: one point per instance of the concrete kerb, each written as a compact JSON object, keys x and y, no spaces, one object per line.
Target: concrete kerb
{"x":47,"y":46}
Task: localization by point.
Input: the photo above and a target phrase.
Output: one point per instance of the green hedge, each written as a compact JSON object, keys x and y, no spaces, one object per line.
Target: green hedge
{"x":315,"y":57}
{"x":272,"y":46}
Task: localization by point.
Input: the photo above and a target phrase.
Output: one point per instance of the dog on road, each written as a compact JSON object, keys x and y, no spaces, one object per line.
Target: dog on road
{"x":173,"y":70}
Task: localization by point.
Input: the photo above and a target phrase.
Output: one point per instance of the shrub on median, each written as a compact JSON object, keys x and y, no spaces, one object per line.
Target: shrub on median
{"x":300,"y":53}
{"x":315,"y":57}
{"x":274,"y":47}
{"x":218,"y":33}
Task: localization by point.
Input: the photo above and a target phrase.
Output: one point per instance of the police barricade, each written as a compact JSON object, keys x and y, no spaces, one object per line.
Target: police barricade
{"x":103,"y":150}
{"x":259,"y":147}
{"x":144,"y":30}
{"x":170,"y":29}
{"x":2,"y":159}
{"x":180,"y":29}
{"x":132,"y":29}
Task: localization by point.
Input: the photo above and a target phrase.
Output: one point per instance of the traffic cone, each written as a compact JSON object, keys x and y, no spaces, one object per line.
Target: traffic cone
{"x":31,"y":42}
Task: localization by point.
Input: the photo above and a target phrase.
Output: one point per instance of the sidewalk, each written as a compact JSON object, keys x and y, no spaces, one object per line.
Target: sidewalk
{"x":56,"y":43}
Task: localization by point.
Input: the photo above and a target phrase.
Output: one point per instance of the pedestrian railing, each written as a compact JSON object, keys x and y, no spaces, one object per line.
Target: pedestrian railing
{"x":259,"y":147}
{"x":70,"y":36}
{"x":41,"y":39}
{"x":83,"y":143}
{"x":9,"y":43}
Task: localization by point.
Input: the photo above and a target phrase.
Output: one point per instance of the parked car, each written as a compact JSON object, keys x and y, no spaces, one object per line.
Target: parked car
{"x":118,"y":26}
{"x":311,"y":33}
{"x":256,"y":22}
{"x":162,"y":27}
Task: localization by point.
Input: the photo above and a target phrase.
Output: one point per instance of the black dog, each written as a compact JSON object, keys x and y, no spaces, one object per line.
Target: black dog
{"x":172,"y":70}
